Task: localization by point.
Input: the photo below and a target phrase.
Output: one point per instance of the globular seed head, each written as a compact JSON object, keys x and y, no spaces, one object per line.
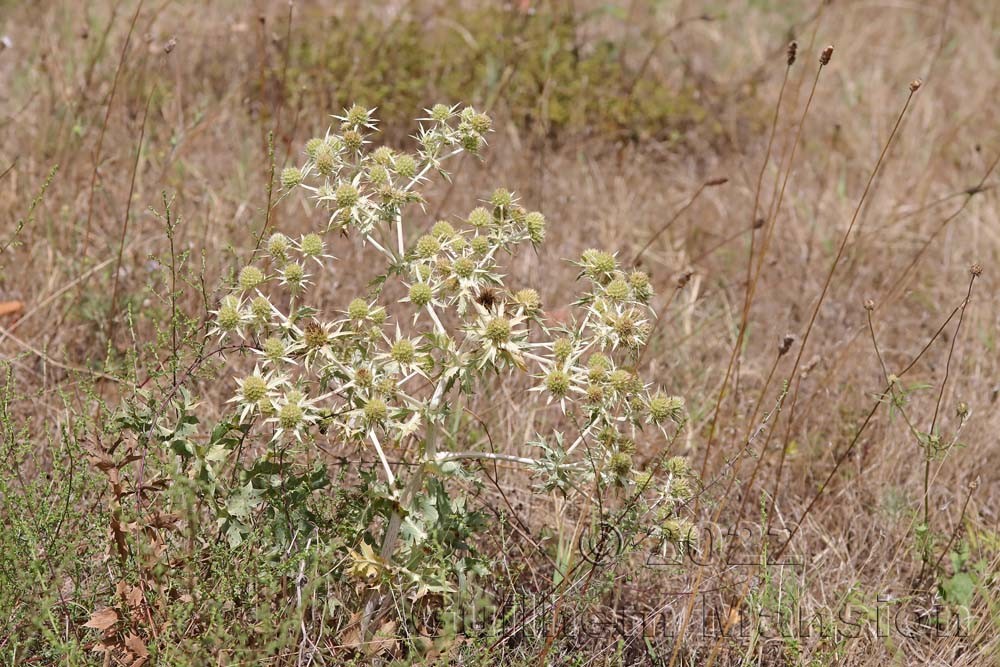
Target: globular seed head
{"x":290,"y":177}
{"x":915,"y":85}
{"x":662,"y":407}
{"x":502,"y":198}
{"x":680,"y":488}
{"x":480,"y":245}
{"x":471,"y":142}
{"x":378,"y":175}
{"x":313,"y":146}
{"x":678,"y":466}
{"x":403,"y":351}
{"x":277,"y":246}
{"x":315,"y":336}
{"x":620,"y":464}
{"x":253,"y":388}
{"x":463,"y":267}
{"x":376,"y":411}
{"x":529,"y":300}
{"x":406,"y":165}
{"x":625,"y":326}
{"x":442,"y":230}
{"x":557,"y":382}
{"x":561,"y":349}
{"x":293,"y":273}
{"x":357,"y":309}
{"x":598,"y":265}
{"x":228,"y":317}
{"x":678,"y":531}
{"x":535,"y":224}
{"x":358,"y":116}
{"x":260,"y":308}
{"x":480,"y":217}
{"x":498,"y":330}
{"x":481,"y":123}
{"x":290,"y":415}
{"x":440,"y":113}
{"x":420,"y":294}
{"x":378,"y":316}
{"x":383,"y":155}
{"x":428,"y":246}
{"x":274,"y":349}
{"x":353,"y":141}
{"x":621,"y":381}
{"x":617,"y":290}
{"x":595,"y":393}
{"x":363,"y":378}
{"x":311,"y":245}
{"x":250,"y":277}
{"x":608,"y":436}
{"x":976,"y":270}
{"x":325,"y":159}
{"x":387,"y":387}
{"x":346,"y":196}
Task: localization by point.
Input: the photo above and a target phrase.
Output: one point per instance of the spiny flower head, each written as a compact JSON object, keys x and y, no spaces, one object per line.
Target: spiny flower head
{"x":558,"y":383}
{"x":291,"y":413}
{"x":277,"y":246}
{"x":598,"y":265}
{"x":480,"y":217}
{"x":311,"y":245}
{"x":535,"y":224}
{"x":620,"y":464}
{"x":440,"y":113}
{"x":357,"y":309}
{"x":250,"y":277}
{"x":253,"y":388}
{"x":498,"y":330}
{"x":229,"y":317}
{"x":260,"y":309}
{"x":463,"y":267}
{"x":662,"y":407}
{"x":617,"y":290}
{"x":290,"y":177}
{"x":529,"y":300}
{"x":562,"y":348}
{"x":428,"y":246}
{"x":274,"y":349}
{"x":405,"y":165}
{"x":403,"y":351}
{"x":420,"y":294}
{"x":375,"y":411}
{"x":313,"y":146}
{"x":346,"y":196}
{"x":442,"y":230}
{"x":502,"y":198}
{"x":480,"y":245}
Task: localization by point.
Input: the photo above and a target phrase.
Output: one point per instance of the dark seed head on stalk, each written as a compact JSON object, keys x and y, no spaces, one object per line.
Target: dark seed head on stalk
{"x":824,"y":58}
{"x":793,"y":49}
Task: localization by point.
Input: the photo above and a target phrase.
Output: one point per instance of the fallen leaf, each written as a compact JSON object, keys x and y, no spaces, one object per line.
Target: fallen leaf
{"x":11,"y":307}
{"x":103,"y":619}
{"x":135,"y":644}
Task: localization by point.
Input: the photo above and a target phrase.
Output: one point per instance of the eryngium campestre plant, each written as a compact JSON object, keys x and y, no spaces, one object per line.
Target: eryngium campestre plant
{"x":381,"y":374}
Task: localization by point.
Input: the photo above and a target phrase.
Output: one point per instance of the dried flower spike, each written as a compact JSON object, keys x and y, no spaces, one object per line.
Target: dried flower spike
{"x":824,"y":58}
{"x":793,"y":49}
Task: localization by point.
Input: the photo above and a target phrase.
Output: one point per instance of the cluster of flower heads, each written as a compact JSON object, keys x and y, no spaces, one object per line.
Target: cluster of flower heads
{"x":378,"y":371}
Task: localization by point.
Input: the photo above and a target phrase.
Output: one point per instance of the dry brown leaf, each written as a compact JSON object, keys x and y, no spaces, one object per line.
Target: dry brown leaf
{"x":103,"y":619}
{"x":11,"y":307}
{"x":135,"y":644}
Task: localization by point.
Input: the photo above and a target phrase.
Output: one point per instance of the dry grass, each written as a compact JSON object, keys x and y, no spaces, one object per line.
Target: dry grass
{"x":214,"y":99}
